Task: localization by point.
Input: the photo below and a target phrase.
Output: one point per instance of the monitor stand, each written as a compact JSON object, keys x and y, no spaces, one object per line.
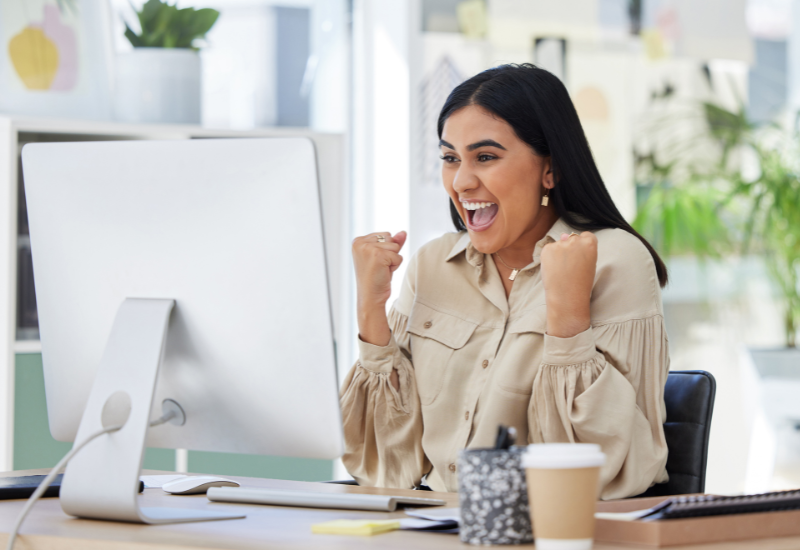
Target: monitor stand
{"x":102,"y":480}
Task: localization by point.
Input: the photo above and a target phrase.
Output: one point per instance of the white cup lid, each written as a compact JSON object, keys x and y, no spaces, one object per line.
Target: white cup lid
{"x":563,"y":455}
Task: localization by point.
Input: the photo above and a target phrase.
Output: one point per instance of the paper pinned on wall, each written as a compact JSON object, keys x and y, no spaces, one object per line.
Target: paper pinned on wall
{"x":712,"y":29}
{"x":57,"y":58}
{"x":572,"y":12}
{"x":472,"y":18}
{"x":434,"y":89}
{"x":653,"y":42}
{"x":551,"y":54}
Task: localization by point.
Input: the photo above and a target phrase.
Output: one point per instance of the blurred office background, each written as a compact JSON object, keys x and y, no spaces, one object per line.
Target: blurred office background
{"x":691,"y":110}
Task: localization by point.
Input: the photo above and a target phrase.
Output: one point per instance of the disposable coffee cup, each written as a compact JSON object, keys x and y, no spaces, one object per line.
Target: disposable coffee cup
{"x":563,"y":486}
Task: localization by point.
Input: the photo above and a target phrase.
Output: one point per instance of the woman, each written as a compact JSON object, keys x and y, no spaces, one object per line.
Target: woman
{"x":543,"y":312}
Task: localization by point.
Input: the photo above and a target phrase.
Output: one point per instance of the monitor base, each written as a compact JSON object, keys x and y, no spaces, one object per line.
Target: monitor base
{"x":161,"y":515}
{"x":102,"y":480}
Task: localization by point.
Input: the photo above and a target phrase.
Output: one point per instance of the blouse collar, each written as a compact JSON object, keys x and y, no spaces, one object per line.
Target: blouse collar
{"x":475,"y":258}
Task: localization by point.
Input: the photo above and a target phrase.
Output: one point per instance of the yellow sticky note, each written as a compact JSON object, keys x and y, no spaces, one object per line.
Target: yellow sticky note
{"x":362,"y":527}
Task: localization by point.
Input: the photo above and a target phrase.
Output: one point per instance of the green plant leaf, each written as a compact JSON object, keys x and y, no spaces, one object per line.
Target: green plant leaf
{"x":165,"y":26}
{"x":729,"y":128}
{"x":67,"y":5}
{"x":134,"y":39}
{"x":684,"y":220}
{"x":203,"y":20}
{"x":701,"y":204}
{"x":149,"y":13}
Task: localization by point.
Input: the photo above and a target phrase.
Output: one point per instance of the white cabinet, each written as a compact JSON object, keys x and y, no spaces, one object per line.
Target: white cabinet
{"x":15,"y":132}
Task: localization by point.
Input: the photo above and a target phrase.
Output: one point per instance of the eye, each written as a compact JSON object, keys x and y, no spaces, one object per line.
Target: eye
{"x":449,"y":159}
{"x":484,"y":157}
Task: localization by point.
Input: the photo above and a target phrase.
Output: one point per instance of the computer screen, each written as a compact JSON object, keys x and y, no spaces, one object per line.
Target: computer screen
{"x":229,"y":229}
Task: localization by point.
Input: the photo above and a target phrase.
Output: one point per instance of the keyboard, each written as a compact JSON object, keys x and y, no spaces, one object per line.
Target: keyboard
{"x":310,"y":499}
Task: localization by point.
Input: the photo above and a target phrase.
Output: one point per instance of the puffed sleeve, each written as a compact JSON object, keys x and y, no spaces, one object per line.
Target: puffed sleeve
{"x":606,"y":386}
{"x":383,"y":426}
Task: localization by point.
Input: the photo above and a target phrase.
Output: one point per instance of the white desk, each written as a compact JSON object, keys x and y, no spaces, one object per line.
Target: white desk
{"x":273,"y":527}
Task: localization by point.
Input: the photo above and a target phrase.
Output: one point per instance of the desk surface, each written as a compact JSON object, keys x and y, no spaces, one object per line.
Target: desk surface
{"x":273,"y":527}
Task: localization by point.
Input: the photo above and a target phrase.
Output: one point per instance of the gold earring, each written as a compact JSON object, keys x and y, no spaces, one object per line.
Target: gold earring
{"x":546,"y":198}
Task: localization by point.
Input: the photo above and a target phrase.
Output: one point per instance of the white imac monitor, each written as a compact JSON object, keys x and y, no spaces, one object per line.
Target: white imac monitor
{"x":191,"y":271}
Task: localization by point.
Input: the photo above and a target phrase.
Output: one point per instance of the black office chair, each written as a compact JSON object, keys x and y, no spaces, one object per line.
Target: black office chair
{"x":689,"y":396}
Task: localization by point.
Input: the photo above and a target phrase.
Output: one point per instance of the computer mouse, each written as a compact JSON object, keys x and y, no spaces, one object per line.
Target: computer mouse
{"x":195,"y":485}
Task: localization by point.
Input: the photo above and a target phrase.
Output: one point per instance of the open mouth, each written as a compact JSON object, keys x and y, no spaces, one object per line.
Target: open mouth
{"x":480,"y":215}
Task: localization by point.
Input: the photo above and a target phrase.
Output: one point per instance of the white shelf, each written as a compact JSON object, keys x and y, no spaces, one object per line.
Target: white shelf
{"x":27,"y":346}
{"x":144,"y":131}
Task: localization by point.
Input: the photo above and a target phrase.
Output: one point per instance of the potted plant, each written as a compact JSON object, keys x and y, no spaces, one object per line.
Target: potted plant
{"x":708,"y":204}
{"x":160,"y":80}
{"x":735,"y":189}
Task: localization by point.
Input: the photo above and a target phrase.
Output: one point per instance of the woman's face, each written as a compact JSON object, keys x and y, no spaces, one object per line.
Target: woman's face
{"x":495,"y":180}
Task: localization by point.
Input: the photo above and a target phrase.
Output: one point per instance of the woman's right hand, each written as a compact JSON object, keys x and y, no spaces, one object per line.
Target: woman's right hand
{"x":375,"y":262}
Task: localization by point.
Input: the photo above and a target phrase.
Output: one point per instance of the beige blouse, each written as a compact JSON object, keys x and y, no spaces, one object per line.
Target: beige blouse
{"x":468,"y":359}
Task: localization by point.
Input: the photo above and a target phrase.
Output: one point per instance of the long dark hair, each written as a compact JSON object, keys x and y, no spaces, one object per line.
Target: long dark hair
{"x":538,"y":107}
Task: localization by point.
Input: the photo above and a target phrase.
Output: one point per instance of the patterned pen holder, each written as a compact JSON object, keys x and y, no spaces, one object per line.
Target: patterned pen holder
{"x":494,"y":497}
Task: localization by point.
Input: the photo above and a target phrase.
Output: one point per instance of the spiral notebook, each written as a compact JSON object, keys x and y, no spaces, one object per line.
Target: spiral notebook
{"x":710,"y":505}
{"x":699,"y":519}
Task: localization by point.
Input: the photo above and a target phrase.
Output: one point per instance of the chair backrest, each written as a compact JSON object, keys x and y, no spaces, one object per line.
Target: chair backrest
{"x":689,"y":397}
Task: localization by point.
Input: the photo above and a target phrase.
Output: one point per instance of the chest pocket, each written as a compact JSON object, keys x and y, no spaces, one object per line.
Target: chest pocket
{"x":528,"y":333}
{"x":435,"y":337}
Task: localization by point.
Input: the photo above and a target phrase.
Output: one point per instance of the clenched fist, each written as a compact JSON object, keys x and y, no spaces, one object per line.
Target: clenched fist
{"x":376,"y":257}
{"x":568,"y":269}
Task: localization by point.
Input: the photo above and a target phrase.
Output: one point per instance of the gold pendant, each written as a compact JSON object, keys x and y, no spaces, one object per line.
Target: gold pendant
{"x":513,"y":274}
{"x":545,"y":200}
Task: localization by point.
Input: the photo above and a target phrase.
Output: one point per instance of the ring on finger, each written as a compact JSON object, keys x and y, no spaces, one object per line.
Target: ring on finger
{"x":573,"y":234}
{"x":381,"y":238}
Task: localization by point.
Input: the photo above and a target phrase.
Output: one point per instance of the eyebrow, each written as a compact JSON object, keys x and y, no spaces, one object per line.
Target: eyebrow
{"x":478,"y":145}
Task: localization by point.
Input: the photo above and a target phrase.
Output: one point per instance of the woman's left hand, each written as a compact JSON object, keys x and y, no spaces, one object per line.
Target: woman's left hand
{"x":568,"y":268}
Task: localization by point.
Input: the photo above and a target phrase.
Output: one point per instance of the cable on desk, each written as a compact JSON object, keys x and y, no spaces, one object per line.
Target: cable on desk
{"x":12,"y":537}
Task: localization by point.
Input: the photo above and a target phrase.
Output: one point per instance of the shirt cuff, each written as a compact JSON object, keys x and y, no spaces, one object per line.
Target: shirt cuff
{"x":377,"y":358}
{"x":569,"y":351}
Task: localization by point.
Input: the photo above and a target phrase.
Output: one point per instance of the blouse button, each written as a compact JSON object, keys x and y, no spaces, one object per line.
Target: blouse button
{"x":428,"y":324}
{"x":452,"y":467}
{"x":485,"y":363}
{"x":466,"y":415}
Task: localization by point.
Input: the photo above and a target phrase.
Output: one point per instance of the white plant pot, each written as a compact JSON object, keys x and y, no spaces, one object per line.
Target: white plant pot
{"x":779,"y":375}
{"x":158,"y":85}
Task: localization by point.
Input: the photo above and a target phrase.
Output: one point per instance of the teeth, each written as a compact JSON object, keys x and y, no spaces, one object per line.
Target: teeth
{"x":476,"y":205}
